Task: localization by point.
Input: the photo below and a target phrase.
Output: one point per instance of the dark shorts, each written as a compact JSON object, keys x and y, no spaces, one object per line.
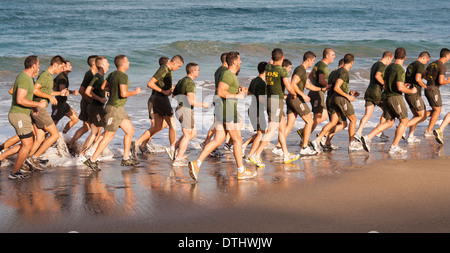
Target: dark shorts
{"x":395,"y":107}
{"x":296,"y":106}
{"x":60,"y":110}
{"x":317,"y":101}
{"x":114,"y":117}
{"x":84,"y":115}
{"x":186,"y":117}
{"x":258,"y":120}
{"x":341,"y":105}
{"x":161,"y":105}
{"x":96,"y":115}
{"x":22,"y":124}
{"x":42,"y":119}
{"x":434,"y":96}
{"x":150,"y":107}
{"x":415,"y":102}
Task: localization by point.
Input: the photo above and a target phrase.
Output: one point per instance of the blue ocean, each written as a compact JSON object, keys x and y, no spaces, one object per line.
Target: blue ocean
{"x":200,"y":31}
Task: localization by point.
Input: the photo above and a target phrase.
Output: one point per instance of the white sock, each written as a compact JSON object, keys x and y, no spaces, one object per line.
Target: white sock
{"x":241,"y":169}
{"x":199,"y":163}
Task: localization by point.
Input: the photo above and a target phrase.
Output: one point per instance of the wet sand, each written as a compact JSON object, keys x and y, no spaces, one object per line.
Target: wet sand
{"x":334,"y":192}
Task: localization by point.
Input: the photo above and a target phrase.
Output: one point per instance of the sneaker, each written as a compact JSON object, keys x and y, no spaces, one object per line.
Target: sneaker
{"x":25,"y":169}
{"x":330,"y":147}
{"x":193,"y":170}
{"x":171,"y":152}
{"x":300,"y":132}
{"x":129,"y":162}
{"x":438,"y":135}
{"x":315,"y":144}
{"x":34,"y":163}
{"x":246,"y":174}
{"x":277,"y":151}
{"x":92,"y":165}
{"x":357,"y":137}
{"x":179,"y":163}
{"x":228,"y":147}
{"x":133,"y":150}
{"x":323,"y":141}
{"x":307,"y":151}
{"x":216,"y":153}
{"x":202,"y":145}
{"x":43,"y":161}
{"x":257,"y":161}
{"x":355,"y":146}
{"x":397,"y":150}
{"x":290,"y":158}
{"x":366,"y":143}
{"x":413,"y":139}
{"x":382,"y":136}
{"x":18,"y":175}
{"x":428,"y":134}
{"x":150,"y":148}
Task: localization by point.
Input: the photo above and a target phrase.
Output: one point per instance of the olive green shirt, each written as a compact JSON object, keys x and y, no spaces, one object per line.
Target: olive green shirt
{"x":257,"y":88}
{"x":183,"y":87}
{"x":319,"y":68}
{"x":45,"y":79}
{"x":411,"y":71}
{"x":274,"y":80}
{"x":434,"y":70}
{"x":342,"y":73}
{"x":231,"y":79}
{"x":25,"y":82}
{"x":115,"y":79}
{"x":375,"y":88}
{"x":218,"y":75}
{"x":96,"y":84}
{"x":394,"y":73}
{"x":164,"y":77}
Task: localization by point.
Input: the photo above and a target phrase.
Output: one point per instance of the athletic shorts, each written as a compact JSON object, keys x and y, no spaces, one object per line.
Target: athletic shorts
{"x":296,"y":106}
{"x":341,"y":105}
{"x":84,"y":115}
{"x":374,"y":103}
{"x":434,"y":96}
{"x":275,"y":109}
{"x":395,"y":107}
{"x":317,"y":101}
{"x":161,"y":105}
{"x":96,"y":115}
{"x":415,"y":102}
{"x":258,"y":120}
{"x":186,"y":117}
{"x":22,"y":124}
{"x":42,"y":119}
{"x":114,"y":117}
{"x":150,"y":107}
{"x":60,"y":110}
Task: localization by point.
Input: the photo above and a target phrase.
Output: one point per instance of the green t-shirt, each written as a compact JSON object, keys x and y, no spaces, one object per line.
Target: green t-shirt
{"x":411,"y":71}
{"x":375,"y":88}
{"x":257,"y":88}
{"x":231,"y":79}
{"x":319,"y":68}
{"x":300,"y":71}
{"x":25,"y":82}
{"x":274,"y":80}
{"x":164,"y":77}
{"x":342,"y":73}
{"x":218,"y":75}
{"x":96,"y":84}
{"x":45,"y":79}
{"x":115,"y":79}
{"x":183,"y":87}
{"x":332,"y":78}
{"x":87,"y":78}
{"x":394,"y":73}
{"x":434,"y":70}
{"x":61,"y":79}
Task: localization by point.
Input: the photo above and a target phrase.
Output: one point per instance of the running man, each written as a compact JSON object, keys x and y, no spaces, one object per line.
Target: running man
{"x":394,"y":104}
{"x":161,"y":83}
{"x":115,"y":114}
{"x":19,"y":115}
{"x":436,"y":78}
{"x":61,"y":82}
{"x":184,"y":93}
{"x":372,"y":96}
{"x":319,"y":78}
{"x":276,"y":75}
{"x":227,"y":120}
{"x":42,"y":120}
{"x":85,"y":101}
{"x":415,"y":72}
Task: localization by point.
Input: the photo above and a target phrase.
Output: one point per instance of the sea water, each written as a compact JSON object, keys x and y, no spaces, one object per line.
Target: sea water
{"x":201,"y":31}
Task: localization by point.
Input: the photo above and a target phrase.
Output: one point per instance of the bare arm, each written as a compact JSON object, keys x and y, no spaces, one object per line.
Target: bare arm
{"x":401,"y":86}
{"x":338,"y":90}
{"x":37,"y":92}
{"x":222,"y":91}
{"x":195,"y":102}
{"x":124,"y":92}
{"x":21,"y":99}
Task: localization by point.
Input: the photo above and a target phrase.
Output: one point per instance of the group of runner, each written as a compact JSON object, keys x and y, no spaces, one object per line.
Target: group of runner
{"x":103,"y":100}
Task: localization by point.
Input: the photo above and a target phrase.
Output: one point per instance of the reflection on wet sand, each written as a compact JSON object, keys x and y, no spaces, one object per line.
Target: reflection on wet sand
{"x":73,"y":195}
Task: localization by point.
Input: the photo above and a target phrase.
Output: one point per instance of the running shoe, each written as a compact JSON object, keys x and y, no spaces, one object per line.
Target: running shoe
{"x":300,"y":133}
{"x":193,"y":170}
{"x":277,"y":151}
{"x":438,"y":135}
{"x":202,"y":145}
{"x":179,"y":163}
{"x":428,"y":135}
{"x":129,"y":162}
{"x":315,"y":145}
{"x":34,"y":163}
{"x":357,"y":137}
{"x":256,"y":161}
{"x":171,"y":152}
{"x":366,"y":143}
{"x":355,"y":146}
{"x":150,"y":148}
{"x":18,"y":175}
{"x":307,"y":151}
{"x":323,"y":141}
{"x":246,"y":174}
{"x":133,"y":150}
{"x":92,"y":165}
{"x":382,"y":136}
{"x":228,"y":147}
{"x":290,"y":158}
{"x":413,"y":139}
{"x":25,"y":169}
{"x":396,"y":150}
{"x":330,"y":147}
{"x":216,"y":153}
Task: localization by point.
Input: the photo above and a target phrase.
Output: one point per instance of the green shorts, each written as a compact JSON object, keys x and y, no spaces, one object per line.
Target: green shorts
{"x":317,"y":101}
{"x":395,"y":107}
{"x":341,"y":105}
{"x":296,"y":106}
{"x":434,"y":96}
{"x":22,"y":124}
{"x":60,"y":110}
{"x":275,"y":108}
{"x":42,"y":119}
{"x":186,"y":117}
{"x":96,"y":115}
{"x":114,"y":117}
{"x":415,"y":102}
